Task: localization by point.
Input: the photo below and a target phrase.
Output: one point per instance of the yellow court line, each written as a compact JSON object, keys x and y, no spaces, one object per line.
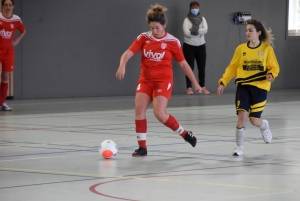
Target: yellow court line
{"x":160,"y":179}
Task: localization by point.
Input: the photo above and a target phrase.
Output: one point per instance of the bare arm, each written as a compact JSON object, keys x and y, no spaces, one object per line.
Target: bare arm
{"x":188,"y":71}
{"x":18,"y":39}
{"x":123,"y":61}
{"x":220,"y":89}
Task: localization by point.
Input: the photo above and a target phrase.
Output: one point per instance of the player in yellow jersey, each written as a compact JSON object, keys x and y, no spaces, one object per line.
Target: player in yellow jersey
{"x":254,"y":66}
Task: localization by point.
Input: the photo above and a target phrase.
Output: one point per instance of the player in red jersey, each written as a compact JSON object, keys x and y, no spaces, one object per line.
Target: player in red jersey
{"x":156,"y":76}
{"x":9,"y":23}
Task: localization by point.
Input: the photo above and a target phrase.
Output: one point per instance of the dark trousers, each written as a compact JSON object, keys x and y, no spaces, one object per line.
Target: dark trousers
{"x":198,"y":53}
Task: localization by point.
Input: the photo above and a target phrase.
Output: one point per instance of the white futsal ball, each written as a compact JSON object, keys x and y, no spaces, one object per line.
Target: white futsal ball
{"x":108,"y":149}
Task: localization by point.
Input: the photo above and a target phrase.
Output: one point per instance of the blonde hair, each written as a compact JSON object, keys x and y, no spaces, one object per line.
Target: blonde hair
{"x":266,"y":34}
{"x":156,"y":14}
{"x":270,"y":37}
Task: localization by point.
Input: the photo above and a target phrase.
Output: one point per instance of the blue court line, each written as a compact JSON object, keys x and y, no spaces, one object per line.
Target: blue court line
{"x":182,"y":153}
{"x":170,"y":152}
{"x":95,"y":148}
{"x":227,"y":156}
{"x":88,"y":150}
{"x":62,"y":152}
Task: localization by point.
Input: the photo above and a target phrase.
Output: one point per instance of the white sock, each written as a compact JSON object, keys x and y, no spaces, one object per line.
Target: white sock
{"x":239,"y":136}
{"x":265,"y":125}
{"x":180,"y":130}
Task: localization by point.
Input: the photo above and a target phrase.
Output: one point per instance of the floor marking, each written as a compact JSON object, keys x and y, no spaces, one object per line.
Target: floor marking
{"x":144,"y":178}
{"x":93,"y":187}
{"x":186,"y":108}
{"x":246,"y":196}
{"x":24,"y":159}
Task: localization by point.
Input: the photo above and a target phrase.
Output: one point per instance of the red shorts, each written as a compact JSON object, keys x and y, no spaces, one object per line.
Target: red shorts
{"x":153,"y":89}
{"x":8,"y":61}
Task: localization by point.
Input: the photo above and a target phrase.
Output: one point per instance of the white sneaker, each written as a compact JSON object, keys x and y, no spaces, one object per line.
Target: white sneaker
{"x":238,"y":151}
{"x":266,"y":134}
{"x":5,"y":107}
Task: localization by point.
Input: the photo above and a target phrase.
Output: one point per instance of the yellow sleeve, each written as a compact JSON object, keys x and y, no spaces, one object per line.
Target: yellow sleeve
{"x":231,"y":70}
{"x":272,"y":64}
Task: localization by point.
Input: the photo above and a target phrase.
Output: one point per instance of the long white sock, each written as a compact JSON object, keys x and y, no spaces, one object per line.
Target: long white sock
{"x":265,"y":125}
{"x":239,"y":136}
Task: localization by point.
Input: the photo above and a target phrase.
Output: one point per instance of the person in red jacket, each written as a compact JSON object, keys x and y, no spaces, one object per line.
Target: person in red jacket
{"x":155,"y":83}
{"x":9,"y":23}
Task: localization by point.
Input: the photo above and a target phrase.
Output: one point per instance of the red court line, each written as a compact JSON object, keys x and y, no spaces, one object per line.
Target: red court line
{"x":93,"y":189}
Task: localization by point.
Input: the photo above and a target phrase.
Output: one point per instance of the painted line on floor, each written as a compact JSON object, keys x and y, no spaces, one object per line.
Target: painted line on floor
{"x":162,"y":178}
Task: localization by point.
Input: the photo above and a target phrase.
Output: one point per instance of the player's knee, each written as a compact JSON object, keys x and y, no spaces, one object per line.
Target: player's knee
{"x":255,"y":122}
{"x":5,"y":77}
{"x":139,"y":111}
{"x":161,"y":116}
{"x":242,"y":118}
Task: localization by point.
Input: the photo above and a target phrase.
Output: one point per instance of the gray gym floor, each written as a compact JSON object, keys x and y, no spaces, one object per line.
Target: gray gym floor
{"x":49,"y":151}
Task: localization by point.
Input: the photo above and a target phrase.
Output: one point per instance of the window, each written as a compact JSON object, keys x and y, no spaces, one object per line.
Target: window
{"x":294,"y":18}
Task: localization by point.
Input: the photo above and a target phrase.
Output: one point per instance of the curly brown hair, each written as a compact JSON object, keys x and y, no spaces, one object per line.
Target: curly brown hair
{"x":156,"y":14}
{"x":266,"y":34}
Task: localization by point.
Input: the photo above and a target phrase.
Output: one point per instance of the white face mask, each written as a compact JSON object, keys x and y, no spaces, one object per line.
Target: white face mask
{"x":195,"y":11}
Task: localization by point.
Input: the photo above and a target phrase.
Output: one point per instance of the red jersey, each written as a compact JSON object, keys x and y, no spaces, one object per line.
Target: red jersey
{"x":157,"y":54}
{"x":8,"y":27}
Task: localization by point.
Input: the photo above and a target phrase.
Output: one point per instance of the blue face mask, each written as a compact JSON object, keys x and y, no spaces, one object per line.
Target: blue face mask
{"x":195,"y":11}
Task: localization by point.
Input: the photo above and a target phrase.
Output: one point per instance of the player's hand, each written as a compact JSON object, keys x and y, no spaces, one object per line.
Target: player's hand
{"x":270,"y":77}
{"x":198,"y":89}
{"x":13,"y":44}
{"x":220,"y":89}
{"x":120,"y":73}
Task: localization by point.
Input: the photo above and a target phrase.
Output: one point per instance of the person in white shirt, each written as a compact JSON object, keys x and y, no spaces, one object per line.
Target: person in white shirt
{"x":194,"y":28}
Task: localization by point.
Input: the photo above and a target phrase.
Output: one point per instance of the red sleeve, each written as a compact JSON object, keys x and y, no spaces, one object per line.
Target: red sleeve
{"x":177,"y":53}
{"x":136,"y":45}
{"x":21,"y":27}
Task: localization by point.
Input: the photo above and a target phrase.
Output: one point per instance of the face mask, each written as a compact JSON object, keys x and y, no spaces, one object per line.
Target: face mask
{"x":195,"y":11}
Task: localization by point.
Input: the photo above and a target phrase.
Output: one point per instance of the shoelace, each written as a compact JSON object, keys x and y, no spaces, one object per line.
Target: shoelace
{"x":267,"y":134}
{"x":190,"y":134}
{"x":239,"y":148}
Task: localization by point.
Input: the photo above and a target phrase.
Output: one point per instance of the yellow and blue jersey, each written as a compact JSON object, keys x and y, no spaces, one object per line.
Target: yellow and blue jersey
{"x":250,"y":66}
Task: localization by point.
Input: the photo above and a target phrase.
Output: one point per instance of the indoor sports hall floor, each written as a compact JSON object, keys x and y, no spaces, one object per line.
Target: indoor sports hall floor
{"x":49,"y":151}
